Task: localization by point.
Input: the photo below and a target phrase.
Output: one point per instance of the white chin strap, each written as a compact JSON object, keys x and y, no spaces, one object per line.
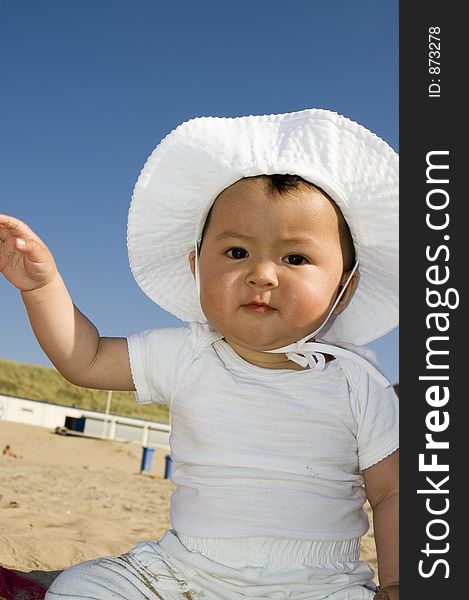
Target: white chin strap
{"x":196,"y":269}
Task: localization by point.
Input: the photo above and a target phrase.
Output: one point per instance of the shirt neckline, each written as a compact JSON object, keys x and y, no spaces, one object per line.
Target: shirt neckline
{"x":222,"y":347}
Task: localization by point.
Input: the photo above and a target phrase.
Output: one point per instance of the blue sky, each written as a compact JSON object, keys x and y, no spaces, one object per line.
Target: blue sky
{"x":89,"y":87}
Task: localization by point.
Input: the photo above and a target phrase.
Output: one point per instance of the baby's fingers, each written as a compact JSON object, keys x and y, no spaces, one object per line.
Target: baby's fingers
{"x":12,"y":227}
{"x":24,"y":259}
{"x":38,"y":262}
{"x":33,"y":251}
{"x":30,"y":247}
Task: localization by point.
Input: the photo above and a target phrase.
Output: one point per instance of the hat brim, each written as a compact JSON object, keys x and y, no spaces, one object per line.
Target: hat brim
{"x":199,"y":159}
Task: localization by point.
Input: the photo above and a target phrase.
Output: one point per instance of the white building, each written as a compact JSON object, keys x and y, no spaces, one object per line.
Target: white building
{"x":84,"y":422}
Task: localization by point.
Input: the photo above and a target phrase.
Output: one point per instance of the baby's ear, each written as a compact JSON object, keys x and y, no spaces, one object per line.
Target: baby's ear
{"x":192,"y":262}
{"x":349,"y":291}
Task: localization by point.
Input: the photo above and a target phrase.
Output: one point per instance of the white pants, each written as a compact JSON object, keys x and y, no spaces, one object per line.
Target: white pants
{"x":184,"y":568}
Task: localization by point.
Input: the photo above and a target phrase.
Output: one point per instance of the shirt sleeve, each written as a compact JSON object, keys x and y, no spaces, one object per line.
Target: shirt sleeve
{"x":157,"y":358}
{"x":378,"y":421}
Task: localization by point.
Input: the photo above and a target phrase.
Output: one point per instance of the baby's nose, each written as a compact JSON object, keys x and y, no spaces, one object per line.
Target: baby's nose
{"x":263,"y":274}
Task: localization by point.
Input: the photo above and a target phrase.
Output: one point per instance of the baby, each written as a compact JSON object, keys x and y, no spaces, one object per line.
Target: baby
{"x":275,"y":238}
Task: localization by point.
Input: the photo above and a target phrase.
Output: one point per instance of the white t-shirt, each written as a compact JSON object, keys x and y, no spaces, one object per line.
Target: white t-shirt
{"x":263,"y":452}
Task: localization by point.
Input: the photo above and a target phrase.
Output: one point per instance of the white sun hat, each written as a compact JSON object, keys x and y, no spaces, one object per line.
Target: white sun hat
{"x":201,"y":157}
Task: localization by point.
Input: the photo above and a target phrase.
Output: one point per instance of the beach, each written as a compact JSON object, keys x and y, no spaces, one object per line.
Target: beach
{"x":67,"y":498}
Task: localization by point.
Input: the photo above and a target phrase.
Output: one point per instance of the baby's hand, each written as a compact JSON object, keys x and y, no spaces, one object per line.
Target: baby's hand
{"x":25,"y":260}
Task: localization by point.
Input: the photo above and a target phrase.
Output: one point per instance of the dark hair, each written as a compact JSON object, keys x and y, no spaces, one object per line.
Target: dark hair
{"x":284,"y":183}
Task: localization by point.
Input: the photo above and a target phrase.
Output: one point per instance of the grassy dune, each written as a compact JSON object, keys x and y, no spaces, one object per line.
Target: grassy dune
{"x":44,"y":383}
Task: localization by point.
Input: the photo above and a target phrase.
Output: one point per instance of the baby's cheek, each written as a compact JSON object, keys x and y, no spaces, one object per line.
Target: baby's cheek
{"x":302,"y":297}
{"x":213,"y":299}
{"x":306,"y":307}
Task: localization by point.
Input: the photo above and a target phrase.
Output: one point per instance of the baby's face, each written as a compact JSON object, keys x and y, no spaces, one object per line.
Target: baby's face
{"x":270,"y":264}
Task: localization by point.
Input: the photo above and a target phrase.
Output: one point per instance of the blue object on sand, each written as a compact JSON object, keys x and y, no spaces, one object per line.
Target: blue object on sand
{"x":147,"y":458}
{"x":168,"y":465}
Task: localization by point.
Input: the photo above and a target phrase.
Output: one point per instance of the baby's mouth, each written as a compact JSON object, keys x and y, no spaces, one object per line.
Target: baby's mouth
{"x":259,"y":307}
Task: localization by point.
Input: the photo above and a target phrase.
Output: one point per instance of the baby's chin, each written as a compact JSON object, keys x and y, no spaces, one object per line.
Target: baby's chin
{"x":266,"y":337}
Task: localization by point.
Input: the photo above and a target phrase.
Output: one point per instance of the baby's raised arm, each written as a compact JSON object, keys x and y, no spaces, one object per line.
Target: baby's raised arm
{"x":69,"y":339}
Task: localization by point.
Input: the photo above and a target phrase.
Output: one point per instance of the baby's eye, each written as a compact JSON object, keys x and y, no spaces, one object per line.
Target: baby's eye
{"x":236,"y":253}
{"x":295,"y":259}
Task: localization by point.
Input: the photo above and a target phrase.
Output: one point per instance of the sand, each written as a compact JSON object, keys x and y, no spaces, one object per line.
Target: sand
{"x":65,"y":499}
